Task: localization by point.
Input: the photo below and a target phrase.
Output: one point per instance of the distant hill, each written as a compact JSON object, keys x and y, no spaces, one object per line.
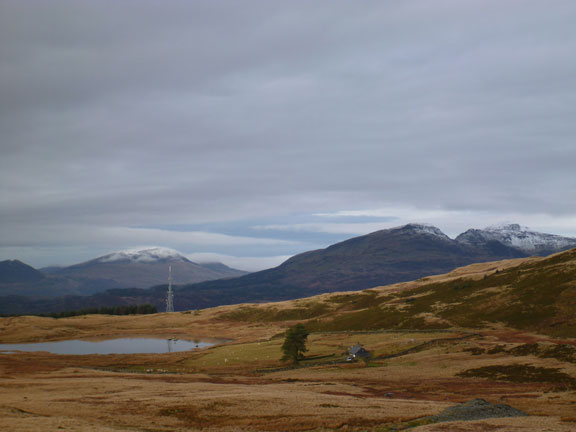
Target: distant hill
{"x":14,"y":271}
{"x":143,"y":268}
{"x":134,"y":268}
{"x":518,"y":237}
{"x":223,"y":270}
{"x":387,"y":256}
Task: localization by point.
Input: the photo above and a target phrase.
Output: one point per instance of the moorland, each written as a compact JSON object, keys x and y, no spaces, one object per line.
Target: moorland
{"x":502,"y":331}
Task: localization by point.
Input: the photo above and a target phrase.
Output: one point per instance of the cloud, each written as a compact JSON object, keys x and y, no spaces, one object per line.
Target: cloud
{"x":146,"y":113}
{"x":77,"y":235}
{"x":331,"y":228}
{"x":70,"y":244}
{"x":452,"y":222}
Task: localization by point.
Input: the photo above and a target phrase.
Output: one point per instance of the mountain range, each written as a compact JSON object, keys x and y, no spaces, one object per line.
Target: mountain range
{"x":131,"y":268}
{"x":384,"y":257}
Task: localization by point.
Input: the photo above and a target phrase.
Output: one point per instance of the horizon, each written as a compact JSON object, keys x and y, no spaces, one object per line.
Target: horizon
{"x":253,"y":264}
{"x":248,"y":133}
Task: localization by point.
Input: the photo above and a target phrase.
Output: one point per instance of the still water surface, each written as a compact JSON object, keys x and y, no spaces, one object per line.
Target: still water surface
{"x":109,"y":346}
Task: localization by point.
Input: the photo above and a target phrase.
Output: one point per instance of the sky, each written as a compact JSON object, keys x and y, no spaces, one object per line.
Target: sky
{"x":249,"y":131}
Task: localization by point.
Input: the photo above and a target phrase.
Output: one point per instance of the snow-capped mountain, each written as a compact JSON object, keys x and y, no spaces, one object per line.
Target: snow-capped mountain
{"x":143,"y":268}
{"x":519,"y":237}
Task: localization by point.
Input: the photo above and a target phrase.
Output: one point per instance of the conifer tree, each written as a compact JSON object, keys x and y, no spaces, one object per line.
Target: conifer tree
{"x":294,"y":345}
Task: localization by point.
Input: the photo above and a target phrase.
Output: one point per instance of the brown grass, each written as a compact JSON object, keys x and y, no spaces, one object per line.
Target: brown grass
{"x":48,"y":392}
{"x":217,"y":389}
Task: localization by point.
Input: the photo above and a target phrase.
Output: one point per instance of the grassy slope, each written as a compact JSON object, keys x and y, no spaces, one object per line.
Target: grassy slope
{"x":533,"y":294}
{"x":537,"y":294}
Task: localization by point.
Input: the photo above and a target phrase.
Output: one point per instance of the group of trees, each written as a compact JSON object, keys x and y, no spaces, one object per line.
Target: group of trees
{"x":142,"y":309}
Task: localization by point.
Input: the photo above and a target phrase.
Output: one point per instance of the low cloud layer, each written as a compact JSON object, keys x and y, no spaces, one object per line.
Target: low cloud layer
{"x":245,"y":121}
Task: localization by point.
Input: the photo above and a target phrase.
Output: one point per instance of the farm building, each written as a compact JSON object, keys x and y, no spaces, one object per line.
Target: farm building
{"x":357,"y":352}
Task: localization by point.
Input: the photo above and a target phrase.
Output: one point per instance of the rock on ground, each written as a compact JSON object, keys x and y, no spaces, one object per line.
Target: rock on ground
{"x":477,"y":409}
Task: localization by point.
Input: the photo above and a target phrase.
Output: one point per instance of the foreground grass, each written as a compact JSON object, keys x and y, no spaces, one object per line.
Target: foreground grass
{"x":217,"y":389}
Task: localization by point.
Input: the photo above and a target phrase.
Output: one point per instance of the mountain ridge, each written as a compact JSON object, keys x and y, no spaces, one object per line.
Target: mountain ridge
{"x":398,"y":254}
{"x":129,"y":268}
{"x":521,"y":238}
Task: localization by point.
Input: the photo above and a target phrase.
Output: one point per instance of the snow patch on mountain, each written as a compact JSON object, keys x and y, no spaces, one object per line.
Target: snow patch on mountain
{"x":421,"y":228}
{"x":506,"y":226}
{"x":519,"y":237}
{"x":143,"y":255}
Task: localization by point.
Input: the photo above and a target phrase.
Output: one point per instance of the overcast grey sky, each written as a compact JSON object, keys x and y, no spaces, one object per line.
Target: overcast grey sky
{"x":249,"y":131}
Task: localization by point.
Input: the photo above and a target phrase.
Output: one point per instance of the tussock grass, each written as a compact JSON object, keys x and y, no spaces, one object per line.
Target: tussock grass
{"x":536,"y":295}
{"x":522,"y":373}
{"x":273,"y":314}
{"x":561,"y":352}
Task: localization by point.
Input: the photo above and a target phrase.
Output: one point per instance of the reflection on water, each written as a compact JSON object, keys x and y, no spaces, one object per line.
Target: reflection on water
{"x":110,"y":346}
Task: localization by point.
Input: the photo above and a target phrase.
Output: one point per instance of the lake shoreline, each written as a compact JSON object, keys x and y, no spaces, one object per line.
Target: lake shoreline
{"x":132,"y":345}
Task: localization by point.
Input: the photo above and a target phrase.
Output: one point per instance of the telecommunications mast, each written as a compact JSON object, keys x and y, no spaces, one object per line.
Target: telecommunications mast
{"x":170,"y":295}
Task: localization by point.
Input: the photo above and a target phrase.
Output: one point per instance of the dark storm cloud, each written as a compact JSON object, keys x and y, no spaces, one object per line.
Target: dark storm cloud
{"x":119,"y":114}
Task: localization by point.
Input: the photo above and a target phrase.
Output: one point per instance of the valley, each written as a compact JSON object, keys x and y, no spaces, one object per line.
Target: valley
{"x":500,"y":331}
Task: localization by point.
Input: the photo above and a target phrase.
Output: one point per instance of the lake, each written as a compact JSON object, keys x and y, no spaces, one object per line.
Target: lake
{"x":110,"y":346}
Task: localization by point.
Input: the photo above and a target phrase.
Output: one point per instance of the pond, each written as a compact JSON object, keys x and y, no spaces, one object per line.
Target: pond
{"x":110,"y":346}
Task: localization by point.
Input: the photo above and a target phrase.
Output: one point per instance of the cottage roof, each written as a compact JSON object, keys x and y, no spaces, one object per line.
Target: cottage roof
{"x":358,"y":350}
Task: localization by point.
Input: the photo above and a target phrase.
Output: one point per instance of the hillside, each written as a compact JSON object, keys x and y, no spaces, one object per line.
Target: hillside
{"x":223,"y":270}
{"x":14,"y":271}
{"x":530,"y":294}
